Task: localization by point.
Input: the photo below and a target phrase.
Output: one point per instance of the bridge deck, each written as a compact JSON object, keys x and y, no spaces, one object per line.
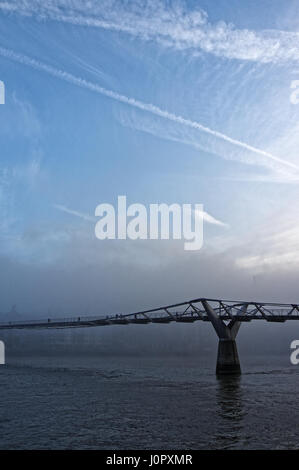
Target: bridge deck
{"x":188,"y":312}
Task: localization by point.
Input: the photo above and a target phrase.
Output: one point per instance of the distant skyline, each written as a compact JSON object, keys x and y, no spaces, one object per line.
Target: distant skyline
{"x":161,"y":101}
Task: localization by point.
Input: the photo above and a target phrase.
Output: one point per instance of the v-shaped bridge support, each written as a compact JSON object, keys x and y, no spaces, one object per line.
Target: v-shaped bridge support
{"x":228,"y":359}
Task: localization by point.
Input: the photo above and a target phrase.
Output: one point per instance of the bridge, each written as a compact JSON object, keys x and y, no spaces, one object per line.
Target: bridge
{"x":226,"y":317}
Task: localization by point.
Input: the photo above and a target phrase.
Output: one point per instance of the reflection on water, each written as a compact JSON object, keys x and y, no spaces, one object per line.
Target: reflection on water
{"x":229,"y":396}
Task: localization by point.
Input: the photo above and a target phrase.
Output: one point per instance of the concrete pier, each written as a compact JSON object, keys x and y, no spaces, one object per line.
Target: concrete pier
{"x":228,"y":359}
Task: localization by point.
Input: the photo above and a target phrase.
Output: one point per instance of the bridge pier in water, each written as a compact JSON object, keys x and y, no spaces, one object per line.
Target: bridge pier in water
{"x":227,"y":359}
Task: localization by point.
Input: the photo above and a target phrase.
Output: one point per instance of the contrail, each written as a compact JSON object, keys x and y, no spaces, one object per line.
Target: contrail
{"x":205,"y":215}
{"x":63,"y":208}
{"x":172,"y":24}
{"x":81,"y":82}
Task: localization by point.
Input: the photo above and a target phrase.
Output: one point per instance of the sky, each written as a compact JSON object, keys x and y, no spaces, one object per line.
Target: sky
{"x":161,"y":101}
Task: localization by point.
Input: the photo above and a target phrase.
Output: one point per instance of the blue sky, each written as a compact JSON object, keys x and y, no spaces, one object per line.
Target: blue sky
{"x":184,"y":102}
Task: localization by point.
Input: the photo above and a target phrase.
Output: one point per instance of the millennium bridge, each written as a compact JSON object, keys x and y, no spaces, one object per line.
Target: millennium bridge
{"x":225,"y":316}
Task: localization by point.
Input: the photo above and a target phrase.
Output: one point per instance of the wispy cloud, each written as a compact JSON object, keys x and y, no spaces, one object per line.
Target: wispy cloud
{"x":147,"y":107}
{"x":6,"y":202}
{"x":272,"y":245}
{"x":172,"y":24}
{"x":11,"y":178}
{"x":202,"y":214}
{"x":209,"y":218}
{"x":225,"y":148}
{"x":20,"y":118}
{"x":81,"y":215}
